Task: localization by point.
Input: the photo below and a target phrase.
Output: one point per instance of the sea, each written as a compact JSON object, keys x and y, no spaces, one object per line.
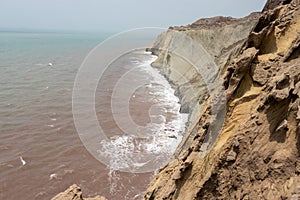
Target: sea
{"x":41,"y":149}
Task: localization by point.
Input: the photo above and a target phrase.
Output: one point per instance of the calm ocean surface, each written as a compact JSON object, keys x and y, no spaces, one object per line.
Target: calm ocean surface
{"x":36,"y":121}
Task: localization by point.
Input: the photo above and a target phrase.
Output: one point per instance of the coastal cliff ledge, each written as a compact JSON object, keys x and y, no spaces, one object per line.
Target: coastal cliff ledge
{"x":256,"y":154}
{"x":185,"y":52}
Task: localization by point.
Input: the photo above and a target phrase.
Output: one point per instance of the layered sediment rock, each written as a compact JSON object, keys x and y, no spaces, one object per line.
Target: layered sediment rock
{"x":185,"y":52}
{"x":256,"y":154}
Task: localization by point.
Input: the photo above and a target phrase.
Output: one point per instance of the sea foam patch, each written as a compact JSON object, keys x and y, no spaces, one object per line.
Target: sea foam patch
{"x":153,"y":144}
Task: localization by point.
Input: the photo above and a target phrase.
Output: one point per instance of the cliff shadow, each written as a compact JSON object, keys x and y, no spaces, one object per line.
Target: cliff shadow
{"x":298,"y":139}
{"x":276,"y":113}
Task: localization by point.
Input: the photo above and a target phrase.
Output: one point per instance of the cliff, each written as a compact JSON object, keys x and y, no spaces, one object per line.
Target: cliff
{"x":210,"y":41}
{"x":239,"y":79}
{"x":255,"y":154}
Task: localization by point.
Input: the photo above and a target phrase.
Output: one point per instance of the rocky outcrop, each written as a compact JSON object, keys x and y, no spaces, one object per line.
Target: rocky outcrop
{"x":74,"y":193}
{"x":271,"y":4}
{"x":256,"y":154}
{"x":185,"y":52}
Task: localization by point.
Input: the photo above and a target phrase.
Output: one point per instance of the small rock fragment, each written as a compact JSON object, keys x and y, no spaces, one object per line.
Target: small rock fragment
{"x":176,"y":175}
{"x":236,"y":144}
{"x":74,"y":193}
{"x":280,"y":95}
{"x":231,"y":156}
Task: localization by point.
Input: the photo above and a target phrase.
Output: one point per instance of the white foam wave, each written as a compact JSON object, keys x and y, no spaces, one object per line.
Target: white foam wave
{"x":158,"y":139}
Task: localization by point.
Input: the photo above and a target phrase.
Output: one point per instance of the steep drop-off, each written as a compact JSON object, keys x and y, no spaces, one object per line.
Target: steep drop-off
{"x":256,"y":154}
{"x":184,"y":53}
{"x":255,"y":62}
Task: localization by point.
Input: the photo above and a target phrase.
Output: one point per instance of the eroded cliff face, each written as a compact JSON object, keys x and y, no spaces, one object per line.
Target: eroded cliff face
{"x":184,"y":53}
{"x":256,"y":155}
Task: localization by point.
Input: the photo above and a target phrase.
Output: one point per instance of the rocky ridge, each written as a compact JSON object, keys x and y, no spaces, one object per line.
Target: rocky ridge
{"x":211,"y":41}
{"x":74,"y":193}
{"x":256,"y":154}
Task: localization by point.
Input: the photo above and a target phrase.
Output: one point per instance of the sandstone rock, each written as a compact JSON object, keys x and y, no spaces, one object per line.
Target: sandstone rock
{"x":176,"y":175}
{"x":240,"y":67}
{"x":297,"y":89}
{"x":236,"y":144}
{"x":261,"y":73}
{"x":294,"y":49}
{"x":281,"y":87}
{"x":298,"y":113}
{"x":231,"y":156}
{"x":74,"y":193}
{"x":272,"y":4}
{"x":263,"y":112}
{"x":282,"y":81}
{"x":274,"y":58}
{"x":221,"y":37}
{"x":280,"y":95}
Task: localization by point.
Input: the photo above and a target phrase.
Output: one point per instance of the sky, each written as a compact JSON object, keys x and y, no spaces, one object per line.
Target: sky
{"x":115,"y":15}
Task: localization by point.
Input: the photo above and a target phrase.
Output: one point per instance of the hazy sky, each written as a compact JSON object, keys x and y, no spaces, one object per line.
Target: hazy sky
{"x":116,"y":15}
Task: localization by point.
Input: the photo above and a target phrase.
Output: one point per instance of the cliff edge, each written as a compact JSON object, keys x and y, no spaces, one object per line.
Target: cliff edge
{"x":249,"y":147}
{"x":256,"y":154}
{"x":211,"y":41}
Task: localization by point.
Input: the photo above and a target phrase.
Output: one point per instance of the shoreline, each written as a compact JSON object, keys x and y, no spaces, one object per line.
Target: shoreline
{"x":192,"y":98}
{"x":186,"y":79}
